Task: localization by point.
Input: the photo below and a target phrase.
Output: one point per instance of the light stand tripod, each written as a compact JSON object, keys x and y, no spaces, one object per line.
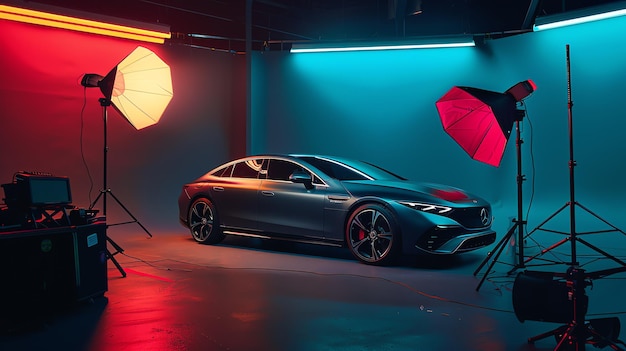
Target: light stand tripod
{"x":518,"y":223}
{"x":106,"y":191}
{"x":573,"y":236}
{"x":576,"y":334}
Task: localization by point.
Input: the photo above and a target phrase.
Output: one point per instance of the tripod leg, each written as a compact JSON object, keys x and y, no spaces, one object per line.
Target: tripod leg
{"x":111,"y":255}
{"x":572,"y":339}
{"x":502,"y":242}
{"x":117,"y":264}
{"x":547,"y":250}
{"x":563,"y":339}
{"x":539,"y":227}
{"x":553,"y":332}
{"x":130,"y":214}
{"x":602,"y":252}
{"x":600,"y":218}
{"x":502,"y":245}
{"x":601,"y":340}
{"x":118,"y":249}
{"x":102,"y":192}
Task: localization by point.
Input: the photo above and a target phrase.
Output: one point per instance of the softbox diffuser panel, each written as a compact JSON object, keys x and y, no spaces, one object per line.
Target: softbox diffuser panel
{"x":480,"y":121}
{"x":142,"y":88}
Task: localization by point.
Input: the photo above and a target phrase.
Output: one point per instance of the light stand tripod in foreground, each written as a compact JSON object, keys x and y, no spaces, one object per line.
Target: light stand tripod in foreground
{"x":577,"y":332}
{"x":140,"y":88}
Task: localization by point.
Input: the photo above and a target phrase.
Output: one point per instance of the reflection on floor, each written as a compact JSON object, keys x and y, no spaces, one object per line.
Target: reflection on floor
{"x":247,"y":294}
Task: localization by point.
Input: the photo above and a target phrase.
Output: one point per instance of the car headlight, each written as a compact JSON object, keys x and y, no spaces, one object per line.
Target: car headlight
{"x":430,"y":208}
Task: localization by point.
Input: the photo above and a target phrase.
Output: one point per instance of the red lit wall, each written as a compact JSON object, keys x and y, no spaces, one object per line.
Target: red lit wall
{"x":50,"y":123}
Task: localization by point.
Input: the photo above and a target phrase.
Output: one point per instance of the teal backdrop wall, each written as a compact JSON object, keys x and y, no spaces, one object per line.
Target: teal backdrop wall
{"x":380,"y":107}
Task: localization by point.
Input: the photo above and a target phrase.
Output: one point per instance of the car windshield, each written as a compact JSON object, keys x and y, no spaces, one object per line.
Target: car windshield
{"x":349,"y":169}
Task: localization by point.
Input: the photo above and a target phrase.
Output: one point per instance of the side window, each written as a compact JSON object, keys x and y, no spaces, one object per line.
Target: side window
{"x":247,"y":169}
{"x":224,"y":172}
{"x":281,"y":170}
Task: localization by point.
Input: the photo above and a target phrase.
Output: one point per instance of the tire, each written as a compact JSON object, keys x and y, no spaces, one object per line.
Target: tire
{"x":204,"y":223}
{"x":372,"y":235}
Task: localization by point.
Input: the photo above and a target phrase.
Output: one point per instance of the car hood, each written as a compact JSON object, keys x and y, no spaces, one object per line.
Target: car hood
{"x":409,"y":190}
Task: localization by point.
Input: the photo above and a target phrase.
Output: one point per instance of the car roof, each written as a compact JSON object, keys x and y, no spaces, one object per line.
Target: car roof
{"x":293,"y":157}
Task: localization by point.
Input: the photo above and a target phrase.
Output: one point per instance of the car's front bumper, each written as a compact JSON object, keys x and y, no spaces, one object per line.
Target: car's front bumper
{"x":436,"y":234}
{"x":454,"y":239}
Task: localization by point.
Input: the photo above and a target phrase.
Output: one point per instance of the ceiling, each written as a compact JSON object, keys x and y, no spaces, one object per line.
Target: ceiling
{"x":275,"y":24}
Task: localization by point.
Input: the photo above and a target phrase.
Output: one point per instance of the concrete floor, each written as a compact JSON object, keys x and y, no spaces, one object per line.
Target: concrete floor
{"x":247,"y":294}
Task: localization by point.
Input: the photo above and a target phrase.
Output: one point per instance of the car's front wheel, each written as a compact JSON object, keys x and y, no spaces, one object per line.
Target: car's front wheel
{"x":372,"y":235}
{"x":204,"y":223}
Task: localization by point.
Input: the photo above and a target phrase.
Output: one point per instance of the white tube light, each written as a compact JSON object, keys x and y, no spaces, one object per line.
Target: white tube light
{"x":455,"y":42}
{"x":590,"y":14}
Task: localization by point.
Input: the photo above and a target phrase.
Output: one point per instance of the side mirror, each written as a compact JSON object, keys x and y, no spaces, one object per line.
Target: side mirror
{"x":302,"y":177}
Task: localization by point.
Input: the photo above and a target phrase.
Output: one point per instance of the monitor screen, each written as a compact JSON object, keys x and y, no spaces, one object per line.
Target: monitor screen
{"x":44,"y":190}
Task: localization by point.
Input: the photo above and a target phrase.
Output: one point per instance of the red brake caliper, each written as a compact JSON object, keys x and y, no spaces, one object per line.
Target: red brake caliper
{"x":361,"y":234}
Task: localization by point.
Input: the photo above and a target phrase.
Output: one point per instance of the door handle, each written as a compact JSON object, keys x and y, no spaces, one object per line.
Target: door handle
{"x":338,"y":198}
{"x":218,"y":188}
{"x":267,"y":193}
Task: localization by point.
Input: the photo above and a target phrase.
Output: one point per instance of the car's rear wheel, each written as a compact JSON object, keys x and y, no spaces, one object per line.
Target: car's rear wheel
{"x":203,"y":222}
{"x":372,"y":235}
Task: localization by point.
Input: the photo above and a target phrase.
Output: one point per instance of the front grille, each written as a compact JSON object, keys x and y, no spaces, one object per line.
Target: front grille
{"x":471,"y":217}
